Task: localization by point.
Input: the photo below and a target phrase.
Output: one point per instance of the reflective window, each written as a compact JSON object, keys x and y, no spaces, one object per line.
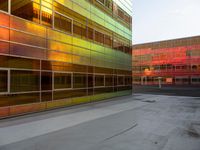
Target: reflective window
{"x":90,"y":33}
{"x":79,"y":29}
{"x":46,"y":81}
{"x":24,"y":81}
{"x":26,"y":9}
{"x":3,"y":81}
{"x":4,"y":5}
{"x":109,"y":80}
{"x":79,"y":80}
{"x":62,"y":80}
{"x":128,"y":80}
{"x":46,"y":15}
{"x":90,"y":80}
{"x":108,"y":40}
{"x":99,"y":80}
{"x":120,"y":80}
{"x":108,"y":4}
{"x":115,"y":80}
{"x":63,"y":23}
{"x":99,"y":37}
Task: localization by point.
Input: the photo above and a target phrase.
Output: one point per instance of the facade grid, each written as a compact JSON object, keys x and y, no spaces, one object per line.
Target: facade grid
{"x":173,"y":62}
{"x":56,"y":53}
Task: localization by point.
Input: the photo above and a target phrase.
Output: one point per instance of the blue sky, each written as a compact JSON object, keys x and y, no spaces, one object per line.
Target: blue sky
{"x":155,"y":20}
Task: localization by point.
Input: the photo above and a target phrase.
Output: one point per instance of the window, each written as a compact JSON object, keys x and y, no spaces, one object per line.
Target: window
{"x":90,"y":80}
{"x":26,"y":9}
{"x":79,"y":80}
{"x":120,"y":13}
{"x":128,"y":80}
{"x":22,"y":81}
{"x":115,"y":44}
{"x":4,"y":5}
{"x":46,"y":16}
{"x":46,"y":81}
{"x":63,"y":23}
{"x":62,"y":80}
{"x":99,"y":80}
{"x":47,"y":12}
{"x":99,"y":37}
{"x":109,"y":80}
{"x":108,"y":4}
{"x":3,"y":81}
{"x":108,"y":40}
{"x":90,"y":33}
{"x":100,"y":1}
{"x":79,"y":29}
{"x":120,"y":80}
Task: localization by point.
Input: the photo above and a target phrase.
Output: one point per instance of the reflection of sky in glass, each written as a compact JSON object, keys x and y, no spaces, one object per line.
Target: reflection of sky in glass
{"x":126,"y":5}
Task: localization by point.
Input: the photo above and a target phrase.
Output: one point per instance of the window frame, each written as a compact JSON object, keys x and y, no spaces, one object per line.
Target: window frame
{"x":53,"y":81}
{"x":118,"y":80}
{"x":25,"y":70}
{"x":53,"y":23}
{"x":94,"y":80}
{"x":9,"y":8}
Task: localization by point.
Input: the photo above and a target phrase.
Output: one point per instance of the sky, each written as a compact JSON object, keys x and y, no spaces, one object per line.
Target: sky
{"x":156,"y":20}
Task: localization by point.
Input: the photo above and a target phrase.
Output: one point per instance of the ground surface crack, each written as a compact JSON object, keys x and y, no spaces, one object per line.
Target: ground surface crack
{"x":120,"y":133}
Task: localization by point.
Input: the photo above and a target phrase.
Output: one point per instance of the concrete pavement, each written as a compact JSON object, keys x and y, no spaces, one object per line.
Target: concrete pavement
{"x":138,"y":122}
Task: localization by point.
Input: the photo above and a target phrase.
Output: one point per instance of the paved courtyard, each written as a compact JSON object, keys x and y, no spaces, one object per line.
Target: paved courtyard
{"x":137,"y":122}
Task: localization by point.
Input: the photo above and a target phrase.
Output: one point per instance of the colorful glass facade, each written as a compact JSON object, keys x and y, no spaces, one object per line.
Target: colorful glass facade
{"x":56,"y":53}
{"x":173,"y":62}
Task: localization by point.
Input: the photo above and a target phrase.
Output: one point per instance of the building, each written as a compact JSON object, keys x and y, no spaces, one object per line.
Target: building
{"x":56,"y":53}
{"x":173,"y":62}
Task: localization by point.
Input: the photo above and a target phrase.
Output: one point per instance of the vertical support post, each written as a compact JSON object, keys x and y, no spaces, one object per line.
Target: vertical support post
{"x":159,"y":82}
{"x":9,"y":6}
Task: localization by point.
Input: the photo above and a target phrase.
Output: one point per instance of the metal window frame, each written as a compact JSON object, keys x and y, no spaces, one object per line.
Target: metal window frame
{"x":72,"y":22}
{"x":100,"y":74}
{"x":53,"y":80}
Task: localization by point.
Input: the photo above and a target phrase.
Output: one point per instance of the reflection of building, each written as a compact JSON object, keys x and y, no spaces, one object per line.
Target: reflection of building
{"x":177,"y":62}
{"x":56,"y":53}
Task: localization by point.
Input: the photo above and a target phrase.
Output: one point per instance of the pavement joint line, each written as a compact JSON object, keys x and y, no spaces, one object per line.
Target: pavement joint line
{"x":120,"y":133}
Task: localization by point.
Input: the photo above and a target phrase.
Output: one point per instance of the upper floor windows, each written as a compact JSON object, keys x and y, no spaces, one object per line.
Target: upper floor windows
{"x":107,"y":3}
{"x":116,"y":10}
{"x":32,"y":11}
{"x":63,"y":19}
{"x":79,"y":29}
{"x":63,"y":23}
{"x":4,"y":5}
